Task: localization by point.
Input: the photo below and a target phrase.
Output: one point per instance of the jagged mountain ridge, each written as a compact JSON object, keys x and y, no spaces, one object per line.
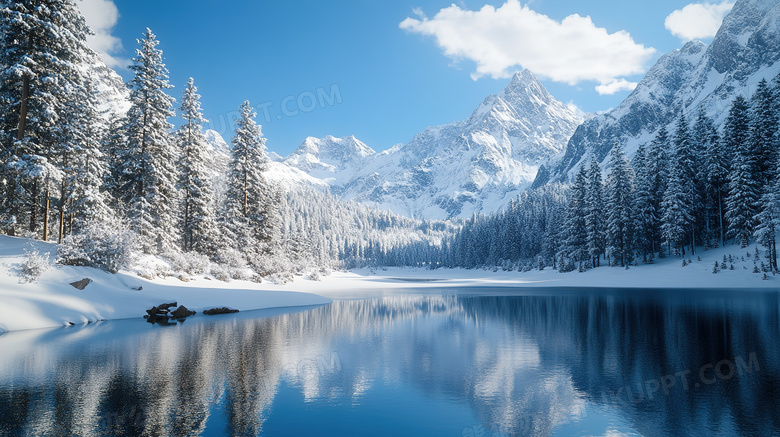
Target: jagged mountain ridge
{"x":745,"y":50}
{"x":473,"y":166}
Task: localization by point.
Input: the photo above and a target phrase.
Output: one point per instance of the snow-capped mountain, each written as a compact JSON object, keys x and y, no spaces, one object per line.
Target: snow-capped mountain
{"x":472,"y":166}
{"x":334,"y":160}
{"x":745,"y":50}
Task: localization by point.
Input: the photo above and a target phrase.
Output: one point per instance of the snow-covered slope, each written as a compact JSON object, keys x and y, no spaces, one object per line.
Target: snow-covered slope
{"x":473,"y":166}
{"x":51,"y":301}
{"x":112,"y":95}
{"x":745,"y":50}
{"x":334,"y":160}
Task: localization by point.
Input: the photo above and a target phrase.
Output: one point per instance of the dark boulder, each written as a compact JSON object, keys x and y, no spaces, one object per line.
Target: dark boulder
{"x":162,"y":314}
{"x":182,"y":312}
{"x":82,"y":284}
{"x":167,"y":306}
{"x":223,"y":310}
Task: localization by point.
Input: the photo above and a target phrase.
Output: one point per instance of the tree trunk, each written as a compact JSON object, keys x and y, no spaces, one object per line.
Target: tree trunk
{"x":46,"y":211}
{"x":63,"y":201}
{"x":33,"y":207}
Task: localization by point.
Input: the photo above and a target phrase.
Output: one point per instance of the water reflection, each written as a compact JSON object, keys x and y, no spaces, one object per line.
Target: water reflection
{"x":460,"y":362}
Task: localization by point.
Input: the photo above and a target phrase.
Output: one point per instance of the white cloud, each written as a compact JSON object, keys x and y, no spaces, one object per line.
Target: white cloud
{"x":101,"y":16}
{"x":697,"y":20}
{"x":615,"y":86}
{"x":499,"y":40}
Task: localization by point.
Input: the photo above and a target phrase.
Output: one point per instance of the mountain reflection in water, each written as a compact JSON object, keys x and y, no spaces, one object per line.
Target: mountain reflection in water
{"x":452,"y":362}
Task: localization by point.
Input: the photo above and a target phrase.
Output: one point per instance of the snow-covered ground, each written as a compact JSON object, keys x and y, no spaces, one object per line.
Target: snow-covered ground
{"x":51,"y":301}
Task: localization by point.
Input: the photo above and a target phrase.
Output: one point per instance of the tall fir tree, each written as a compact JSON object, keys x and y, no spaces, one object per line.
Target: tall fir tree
{"x":84,"y":200}
{"x":576,"y":235}
{"x":645,"y":214}
{"x":198,"y":223}
{"x":681,"y":199}
{"x":764,"y":130}
{"x":658,"y":162}
{"x":768,"y":222}
{"x":715,"y":176}
{"x":744,"y":185}
{"x":248,"y":219}
{"x":148,"y":175}
{"x":43,"y":90}
{"x":620,"y":221}
{"x":594,"y":213}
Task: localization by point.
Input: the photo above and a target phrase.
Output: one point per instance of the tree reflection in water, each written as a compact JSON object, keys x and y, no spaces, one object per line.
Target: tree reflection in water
{"x":521,"y":362}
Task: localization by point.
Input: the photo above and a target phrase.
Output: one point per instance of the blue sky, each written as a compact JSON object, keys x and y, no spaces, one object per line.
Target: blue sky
{"x":348,"y":67}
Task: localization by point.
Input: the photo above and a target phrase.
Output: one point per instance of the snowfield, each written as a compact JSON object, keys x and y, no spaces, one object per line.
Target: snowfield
{"x":51,"y":301}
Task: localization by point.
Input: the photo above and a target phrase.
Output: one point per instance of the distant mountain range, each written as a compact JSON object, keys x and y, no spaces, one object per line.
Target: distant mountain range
{"x":523,"y":137}
{"x":473,"y":166}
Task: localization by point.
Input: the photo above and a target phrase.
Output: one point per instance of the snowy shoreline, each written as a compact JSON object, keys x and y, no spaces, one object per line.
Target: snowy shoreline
{"x":52,"y":302}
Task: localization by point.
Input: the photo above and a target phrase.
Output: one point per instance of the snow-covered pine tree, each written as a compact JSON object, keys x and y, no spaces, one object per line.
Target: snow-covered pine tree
{"x":114,"y":147}
{"x":147,"y":181}
{"x":84,"y":201}
{"x":677,"y":216}
{"x":681,"y":199}
{"x":575,"y":242}
{"x":646,"y":219}
{"x":249,"y":223}
{"x":41,"y":84}
{"x":764,"y":129}
{"x":715,"y":176}
{"x":198,"y":225}
{"x":768,"y":222}
{"x":594,"y":213}
{"x":619,"y":195}
{"x":658,"y":168}
{"x":744,"y":186}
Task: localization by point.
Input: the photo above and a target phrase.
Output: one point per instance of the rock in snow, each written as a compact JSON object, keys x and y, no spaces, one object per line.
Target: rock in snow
{"x":82,"y":284}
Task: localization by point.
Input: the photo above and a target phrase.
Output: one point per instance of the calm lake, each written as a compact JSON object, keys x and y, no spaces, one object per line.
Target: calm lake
{"x":448,"y":362}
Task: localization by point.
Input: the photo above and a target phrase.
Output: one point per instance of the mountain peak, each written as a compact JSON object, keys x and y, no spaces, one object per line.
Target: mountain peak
{"x":523,"y":87}
{"x":524,"y":76}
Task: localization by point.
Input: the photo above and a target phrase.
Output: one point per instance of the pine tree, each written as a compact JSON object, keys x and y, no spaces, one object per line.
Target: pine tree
{"x":676,"y":206}
{"x":197,"y":216}
{"x":148,"y":163}
{"x":716,"y":169}
{"x":645,"y":214}
{"x":249,"y":221}
{"x":681,"y":201}
{"x":84,"y":201}
{"x":744,"y":186}
{"x":619,"y":229}
{"x":42,"y":85}
{"x":576,"y":236}
{"x":763,"y":127}
{"x":658,"y":164}
{"x":768,"y":223}
{"x":594,"y":213}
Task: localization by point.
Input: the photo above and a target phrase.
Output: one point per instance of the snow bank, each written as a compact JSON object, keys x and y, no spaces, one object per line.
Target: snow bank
{"x":665,"y":273}
{"x":51,"y":301}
